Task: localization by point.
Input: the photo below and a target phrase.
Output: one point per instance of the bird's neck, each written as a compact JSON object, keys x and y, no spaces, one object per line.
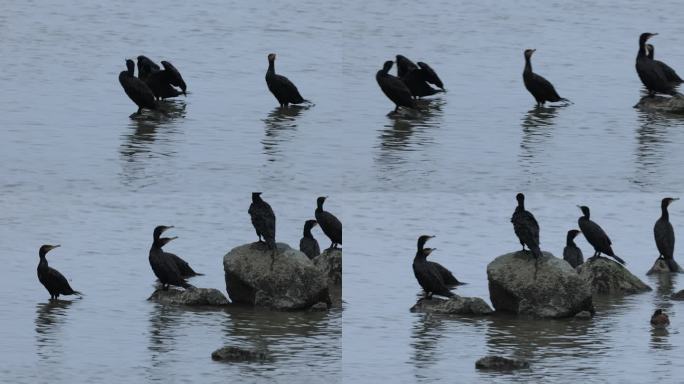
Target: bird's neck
{"x":665,"y":214}
{"x":271,"y":67}
{"x":642,"y":49}
{"x":420,"y":255}
{"x":528,"y":65}
{"x":43,"y":262}
{"x":570,"y":242}
{"x":307,"y":233}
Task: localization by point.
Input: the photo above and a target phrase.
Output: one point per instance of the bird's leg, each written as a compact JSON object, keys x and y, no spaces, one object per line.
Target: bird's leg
{"x":331,"y":245}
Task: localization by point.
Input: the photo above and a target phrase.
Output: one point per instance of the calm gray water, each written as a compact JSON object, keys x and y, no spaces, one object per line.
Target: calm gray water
{"x":76,"y":170}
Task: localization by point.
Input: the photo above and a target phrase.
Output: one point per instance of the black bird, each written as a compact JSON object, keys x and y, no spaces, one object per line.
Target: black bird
{"x":136,"y":89}
{"x":404,"y":65}
{"x":175,"y":77}
{"x":651,"y":74}
{"x":280,"y":86}
{"x":394,"y":88}
{"x":596,"y":236}
{"x":571,"y":253}
{"x":52,"y":280}
{"x":146,"y":67}
{"x":669,"y":73}
{"x":308,"y":243}
{"x":163,"y":265}
{"x":431,"y":76}
{"x":428,"y":276}
{"x":263,"y":220}
{"x":183,"y":266}
{"x":526,"y":227}
{"x":539,"y":87}
{"x":664,"y":235}
{"x":330,"y":225}
{"x":417,"y":82}
{"x":160,"y":85}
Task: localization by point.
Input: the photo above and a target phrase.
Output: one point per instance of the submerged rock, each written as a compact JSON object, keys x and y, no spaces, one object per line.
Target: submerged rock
{"x":606,"y":276}
{"x":330,"y":263}
{"x":501,"y":363}
{"x":547,"y":287}
{"x":287,"y":280}
{"x":584,"y":315}
{"x":456,"y":305}
{"x":192,"y":296}
{"x":673,"y":104}
{"x":678,"y":296}
{"x":660,"y":266}
{"x":232,"y":354}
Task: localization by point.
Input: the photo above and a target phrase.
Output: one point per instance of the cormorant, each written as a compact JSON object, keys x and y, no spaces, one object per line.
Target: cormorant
{"x":185,"y":269}
{"x":163,"y":266}
{"x":175,"y":76}
{"x":596,"y":236}
{"x":669,"y":73}
{"x":160,"y":85}
{"x":308,"y":243}
{"x":263,"y":220}
{"x":659,"y":319}
{"x":431,"y":76}
{"x":146,"y":67}
{"x":664,"y":235}
{"x":650,"y":73}
{"x":525,"y":227}
{"x":280,"y":86}
{"x":52,"y":280}
{"x":539,"y":87}
{"x":330,"y":225}
{"x":136,"y":89}
{"x":417,"y":82}
{"x":571,"y":253}
{"x":404,"y":65}
{"x":394,"y":88}
{"x":428,"y":276}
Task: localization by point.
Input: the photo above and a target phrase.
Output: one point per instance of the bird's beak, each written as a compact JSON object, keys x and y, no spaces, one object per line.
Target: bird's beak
{"x":675,"y":198}
{"x":534,"y":50}
{"x":173,"y":238}
{"x":578,"y":206}
{"x":315,"y":223}
{"x":55,"y":246}
{"x":432,"y":236}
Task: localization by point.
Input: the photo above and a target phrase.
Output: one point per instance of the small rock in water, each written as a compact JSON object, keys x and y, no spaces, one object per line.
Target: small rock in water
{"x":660,"y":266}
{"x":456,"y":305}
{"x":193,"y":296}
{"x":501,"y":363}
{"x":239,"y":354}
{"x":673,"y":104}
{"x":607,"y":277}
{"x":678,"y":296}
{"x":584,"y":315}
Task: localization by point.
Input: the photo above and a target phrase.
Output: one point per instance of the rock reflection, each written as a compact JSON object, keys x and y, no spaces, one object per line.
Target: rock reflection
{"x":536,"y":128}
{"x":280,"y":127}
{"x":425,"y":335}
{"x":49,"y":318}
{"x":162,"y":331}
{"x":651,"y":139}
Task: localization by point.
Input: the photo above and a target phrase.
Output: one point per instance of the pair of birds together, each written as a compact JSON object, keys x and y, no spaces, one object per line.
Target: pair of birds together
{"x":264,"y":222}
{"x":411,"y":82}
{"x":152,"y":83}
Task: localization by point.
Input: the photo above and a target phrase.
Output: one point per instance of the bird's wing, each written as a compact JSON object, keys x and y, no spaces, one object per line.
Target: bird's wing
{"x":430,"y":75}
{"x":545,"y":86}
{"x":174,"y":75}
{"x":58,"y":280}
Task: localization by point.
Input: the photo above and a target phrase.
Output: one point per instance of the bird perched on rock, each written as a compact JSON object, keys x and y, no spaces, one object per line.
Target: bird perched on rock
{"x":431,"y":275}
{"x":163,"y":265}
{"x":394,"y":88}
{"x":330,"y":225}
{"x":660,"y":319}
{"x":184,"y":267}
{"x":596,"y":236}
{"x":571,"y":253}
{"x":263,"y":220}
{"x":308,"y":244}
{"x":526,"y":227}
{"x":136,"y":89}
{"x":55,"y":283}
{"x":664,"y":235}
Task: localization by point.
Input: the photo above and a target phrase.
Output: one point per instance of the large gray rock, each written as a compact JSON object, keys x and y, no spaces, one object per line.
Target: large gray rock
{"x":193,"y":296}
{"x":501,"y":363}
{"x":456,"y":305}
{"x":662,"y":104}
{"x":330,"y":263}
{"x":548,"y":287}
{"x":607,"y":277}
{"x":660,"y":266}
{"x":232,"y":354}
{"x":285,"y":281}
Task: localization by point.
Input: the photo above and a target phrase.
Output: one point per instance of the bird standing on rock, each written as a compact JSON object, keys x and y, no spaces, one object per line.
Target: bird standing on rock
{"x":330,"y":225}
{"x":650,"y":72}
{"x":394,"y":88}
{"x":427,"y":273}
{"x":308,"y":244}
{"x":263,"y":220}
{"x":55,"y":283}
{"x":596,"y":236}
{"x":136,"y":89}
{"x":184,"y":267}
{"x":664,"y":235}
{"x":571,"y":253}
{"x":163,"y":265}
{"x":526,"y":227}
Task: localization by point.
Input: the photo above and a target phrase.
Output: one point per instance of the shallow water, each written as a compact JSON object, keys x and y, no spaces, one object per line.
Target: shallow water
{"x":75,"y":169}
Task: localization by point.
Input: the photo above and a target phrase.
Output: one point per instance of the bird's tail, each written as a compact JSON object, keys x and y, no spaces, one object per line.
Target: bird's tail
{"x":567,"y":101}
{"x":77,"y":293}
{"x":672,"y":265}
{"x":309,"y":102}
{"x":536,"y":251}
{"x":619,"y":260}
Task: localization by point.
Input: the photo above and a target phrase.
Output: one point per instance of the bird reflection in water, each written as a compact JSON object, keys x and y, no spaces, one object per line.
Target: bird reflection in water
{"x":163,"y":322}
{"x":49,"y":318}
{"x":397,"y":135}
{"x":280,"y":127}
{"x":136,"y":147}
{"x":652,"y":135}
{"x":425,"y":336}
